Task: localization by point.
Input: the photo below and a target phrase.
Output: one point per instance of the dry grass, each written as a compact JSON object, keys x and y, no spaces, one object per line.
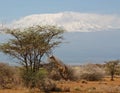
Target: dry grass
{"x":14,"y":91}
{"x":104,"y":86}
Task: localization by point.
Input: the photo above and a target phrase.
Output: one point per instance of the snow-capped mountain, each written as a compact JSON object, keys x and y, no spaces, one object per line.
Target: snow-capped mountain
{"x":71,"y":21}
{"x":96,"y":47}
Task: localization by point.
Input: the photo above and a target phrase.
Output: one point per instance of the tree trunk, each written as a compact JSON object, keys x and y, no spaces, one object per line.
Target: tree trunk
{"x":112,"y":77}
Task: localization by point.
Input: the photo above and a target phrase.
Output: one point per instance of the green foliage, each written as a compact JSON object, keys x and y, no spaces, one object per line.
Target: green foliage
{"x":29,"y":45}
{"x":33,"y":79}
{"x":38,"y":80}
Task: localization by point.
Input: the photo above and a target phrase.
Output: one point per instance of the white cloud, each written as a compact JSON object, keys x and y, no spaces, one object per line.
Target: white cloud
{"x":72,"y":21}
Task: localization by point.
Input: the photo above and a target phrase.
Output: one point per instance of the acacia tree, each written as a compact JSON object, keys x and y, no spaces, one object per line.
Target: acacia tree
{"x":29,"y":45}
{"x":112,"y":68}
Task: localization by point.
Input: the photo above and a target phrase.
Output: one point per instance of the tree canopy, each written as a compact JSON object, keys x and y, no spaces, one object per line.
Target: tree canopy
{"x":29,"y":45}
{"x":112,"y":67}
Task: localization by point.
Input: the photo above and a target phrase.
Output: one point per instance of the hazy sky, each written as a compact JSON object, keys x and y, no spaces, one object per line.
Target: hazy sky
{"x":15,"y":9}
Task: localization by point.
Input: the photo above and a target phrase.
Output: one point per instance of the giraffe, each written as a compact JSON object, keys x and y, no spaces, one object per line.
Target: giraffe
{"x":62,"y":68}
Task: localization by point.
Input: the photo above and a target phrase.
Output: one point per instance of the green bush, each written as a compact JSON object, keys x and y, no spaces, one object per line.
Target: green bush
{"x":32,"y":79}
{"x":39,"y":80}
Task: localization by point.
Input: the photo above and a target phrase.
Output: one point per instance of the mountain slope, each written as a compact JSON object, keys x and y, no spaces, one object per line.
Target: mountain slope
{"x":71,"y":21}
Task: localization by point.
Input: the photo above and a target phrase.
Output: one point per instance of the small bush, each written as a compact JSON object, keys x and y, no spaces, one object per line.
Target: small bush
{"x":48,"y":85}
{"x":91,"y":72}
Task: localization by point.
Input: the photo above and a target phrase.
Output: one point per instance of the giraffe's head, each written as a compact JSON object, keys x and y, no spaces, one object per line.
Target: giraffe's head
{"x":52,"y":59}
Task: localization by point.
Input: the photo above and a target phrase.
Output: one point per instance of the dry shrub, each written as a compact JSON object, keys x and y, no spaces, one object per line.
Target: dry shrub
{"x":8,"y":76}
{"x":69,"y":75}
{"x":55,"y":75}
{"x":48,"y":85}
{"x":91,"y":72}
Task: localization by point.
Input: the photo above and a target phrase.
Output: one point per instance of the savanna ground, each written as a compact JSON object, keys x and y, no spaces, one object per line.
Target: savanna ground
{"x":82,"y":86}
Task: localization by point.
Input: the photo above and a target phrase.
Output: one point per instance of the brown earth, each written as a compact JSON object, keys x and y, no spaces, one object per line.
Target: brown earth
{"x":104,"y":86}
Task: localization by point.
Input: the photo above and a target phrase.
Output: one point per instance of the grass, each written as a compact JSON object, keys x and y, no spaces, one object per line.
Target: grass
{"x":14,"y":91}
{"x":105,"y":86}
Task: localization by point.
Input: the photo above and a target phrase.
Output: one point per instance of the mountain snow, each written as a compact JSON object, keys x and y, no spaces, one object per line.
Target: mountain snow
{"x":71,"y":21}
